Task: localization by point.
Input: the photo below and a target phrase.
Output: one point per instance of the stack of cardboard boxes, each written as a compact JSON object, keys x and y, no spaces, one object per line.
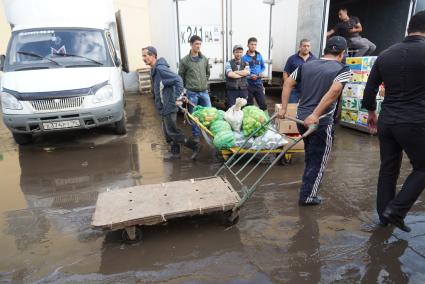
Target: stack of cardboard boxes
{"x":288,"y":127}
{"x":352,"y":114}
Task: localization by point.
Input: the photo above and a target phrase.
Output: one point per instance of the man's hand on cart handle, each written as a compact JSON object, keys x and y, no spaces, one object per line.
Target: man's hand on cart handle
{"x":282,"y":113}
{"x":312,"y":119}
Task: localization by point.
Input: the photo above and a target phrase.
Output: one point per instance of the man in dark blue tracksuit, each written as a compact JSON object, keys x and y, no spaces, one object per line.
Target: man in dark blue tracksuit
{"x":322,"y":82}
{"x":257,"y":67}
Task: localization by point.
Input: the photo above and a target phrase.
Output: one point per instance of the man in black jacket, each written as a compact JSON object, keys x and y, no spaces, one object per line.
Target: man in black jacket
{"x":167,"y":87}
{"x":401,"y":125}
{"x":237,"y":72}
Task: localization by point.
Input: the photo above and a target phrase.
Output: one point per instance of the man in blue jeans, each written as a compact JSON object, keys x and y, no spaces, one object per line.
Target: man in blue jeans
{"x":257,"y":67}
{"x":302,"y":56}
{"x":195,"y":72}
{"x":322,"y":82}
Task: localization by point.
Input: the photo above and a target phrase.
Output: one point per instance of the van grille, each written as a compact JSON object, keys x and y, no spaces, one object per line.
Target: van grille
{"x":57,"y":104}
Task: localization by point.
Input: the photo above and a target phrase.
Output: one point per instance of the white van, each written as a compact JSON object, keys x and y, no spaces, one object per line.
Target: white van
{"x":62,"y":69}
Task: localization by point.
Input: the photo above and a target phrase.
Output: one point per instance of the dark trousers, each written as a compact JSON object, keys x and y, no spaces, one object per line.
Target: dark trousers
{"x":393,"y":140}
{"x":232,"y":95}
{"x":173,"y":135}
{"x":257,"y":92}
{"x":318,"y":146}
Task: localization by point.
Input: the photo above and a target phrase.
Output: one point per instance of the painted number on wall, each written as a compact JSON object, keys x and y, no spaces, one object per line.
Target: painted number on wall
{"x":208,"y":34}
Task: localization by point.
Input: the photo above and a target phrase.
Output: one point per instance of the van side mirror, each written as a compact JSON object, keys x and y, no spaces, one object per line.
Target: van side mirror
{"x":2,"y":60}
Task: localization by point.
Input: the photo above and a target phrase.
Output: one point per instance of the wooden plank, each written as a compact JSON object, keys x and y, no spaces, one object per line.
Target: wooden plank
{"x":156,"y":203}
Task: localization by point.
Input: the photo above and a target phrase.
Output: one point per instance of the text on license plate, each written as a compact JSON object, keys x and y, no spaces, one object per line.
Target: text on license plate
{"x":61,"y":124}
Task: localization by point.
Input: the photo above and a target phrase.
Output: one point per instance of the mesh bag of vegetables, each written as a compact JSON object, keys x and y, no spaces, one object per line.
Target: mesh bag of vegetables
{"x":224,"y":140}
{"x":219,"y":126}
{"x":253,"y":118}
{"x":205,"y":115}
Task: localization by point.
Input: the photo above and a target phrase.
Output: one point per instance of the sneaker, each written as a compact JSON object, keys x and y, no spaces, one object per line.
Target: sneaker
{"x":316,"y":201}
{"x":396,"y":221}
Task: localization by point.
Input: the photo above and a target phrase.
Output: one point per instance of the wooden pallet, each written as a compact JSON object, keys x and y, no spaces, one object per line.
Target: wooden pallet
{"x":157,"y":203}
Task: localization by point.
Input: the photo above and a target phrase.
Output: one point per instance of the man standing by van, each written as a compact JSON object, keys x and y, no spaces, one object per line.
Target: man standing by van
{"x":350,"y":28}
{"x":236,"y":77}
{"x":322,"y":82}
{"x":302,"y":56}
{"x":167,"y":87}
{"x":257,"y":67}
{"x":195,"y":72}
{"x":401,"y":124}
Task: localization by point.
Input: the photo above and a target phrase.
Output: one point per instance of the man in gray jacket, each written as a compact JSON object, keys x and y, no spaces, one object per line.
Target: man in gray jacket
{"x":167,"y":87}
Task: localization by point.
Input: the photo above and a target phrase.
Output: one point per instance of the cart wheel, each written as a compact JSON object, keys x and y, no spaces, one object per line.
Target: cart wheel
{"x":230,"y":218}
{"x":286,"y":159}
{"x":132,"y":235}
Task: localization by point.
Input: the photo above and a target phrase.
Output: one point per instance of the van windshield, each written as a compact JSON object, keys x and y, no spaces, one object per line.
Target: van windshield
{"x":57,"y":48}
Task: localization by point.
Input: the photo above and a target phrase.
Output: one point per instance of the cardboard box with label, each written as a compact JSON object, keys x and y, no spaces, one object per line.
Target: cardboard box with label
{"x":349,"y":116}
{"x":350,"y":103}
{"x":285,"y":126}
{"x":360,"y":76}
{"x":353,"y":90}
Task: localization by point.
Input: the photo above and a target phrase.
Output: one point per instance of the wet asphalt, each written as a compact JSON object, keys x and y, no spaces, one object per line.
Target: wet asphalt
{"x":49,"y":191}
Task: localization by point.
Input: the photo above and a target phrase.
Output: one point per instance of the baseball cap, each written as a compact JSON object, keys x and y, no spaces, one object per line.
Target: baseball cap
{"x":237,"y":46}
{"x":151,"y":49}
{"x":336,"y":43}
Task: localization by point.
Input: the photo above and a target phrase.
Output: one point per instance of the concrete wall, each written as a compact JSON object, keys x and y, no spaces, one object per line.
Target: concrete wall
{"x":310,"y":25}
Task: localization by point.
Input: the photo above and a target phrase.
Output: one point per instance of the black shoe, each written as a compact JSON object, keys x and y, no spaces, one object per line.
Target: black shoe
{"x":396,"y":221}
{"x":316,"y":201}
{"x":197,"y":149}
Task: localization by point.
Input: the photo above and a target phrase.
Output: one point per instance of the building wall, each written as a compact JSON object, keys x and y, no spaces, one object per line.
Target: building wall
{"x":135,"y":17}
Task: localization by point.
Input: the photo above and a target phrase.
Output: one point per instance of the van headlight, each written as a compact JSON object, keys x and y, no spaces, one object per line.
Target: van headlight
{"x":10,"y":102}
{"x":103,"y":94}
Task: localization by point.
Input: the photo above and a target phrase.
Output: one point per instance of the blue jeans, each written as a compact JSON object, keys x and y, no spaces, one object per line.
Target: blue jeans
{"x":198,"y":98}
{"x":294,"y":97}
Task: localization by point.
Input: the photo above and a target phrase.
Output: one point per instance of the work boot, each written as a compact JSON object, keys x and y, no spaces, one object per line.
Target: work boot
{"x":194,"y":146}
{"x":173,"y":154}
{"x":396,"y":221}
{"x":316,"y":201}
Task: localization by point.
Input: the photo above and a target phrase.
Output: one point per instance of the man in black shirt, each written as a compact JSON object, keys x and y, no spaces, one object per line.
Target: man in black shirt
{"x":350,"y":28}
{"x":322,"y":82}
{"x":401,"y":125}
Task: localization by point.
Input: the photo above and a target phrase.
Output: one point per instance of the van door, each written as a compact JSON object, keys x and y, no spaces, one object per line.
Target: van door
{"x":121,"y":40}
{"x":242,"y":13}
{"x":205,"y":19}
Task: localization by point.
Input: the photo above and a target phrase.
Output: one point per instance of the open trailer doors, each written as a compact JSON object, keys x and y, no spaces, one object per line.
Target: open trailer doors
{"x":121,"y":40}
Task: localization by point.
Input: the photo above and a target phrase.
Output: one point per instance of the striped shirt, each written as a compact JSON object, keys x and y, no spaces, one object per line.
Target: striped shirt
{"x":316,"y":78}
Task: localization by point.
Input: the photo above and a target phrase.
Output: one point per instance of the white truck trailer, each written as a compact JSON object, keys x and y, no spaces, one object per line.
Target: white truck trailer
{"x":62,"y":69}
{"x":220,"y":23}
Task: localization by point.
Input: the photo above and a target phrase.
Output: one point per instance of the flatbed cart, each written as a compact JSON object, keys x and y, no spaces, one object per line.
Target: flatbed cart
{"x":226,"y":153}
{"x":129,"y":208}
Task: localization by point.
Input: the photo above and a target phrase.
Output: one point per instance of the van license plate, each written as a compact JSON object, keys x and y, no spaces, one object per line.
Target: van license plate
{"x":61,"y":124}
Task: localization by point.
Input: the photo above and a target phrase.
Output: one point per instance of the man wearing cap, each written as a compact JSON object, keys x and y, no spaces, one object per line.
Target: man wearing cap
{"x":167,"y":88}
{"x":236,"y":77}
{"x":321,"y":84}
{"x":302,"y":56}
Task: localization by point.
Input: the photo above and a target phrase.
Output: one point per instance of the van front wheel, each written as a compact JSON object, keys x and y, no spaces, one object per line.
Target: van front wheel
{"x":120,"y":126}
{"x":22,"y":139}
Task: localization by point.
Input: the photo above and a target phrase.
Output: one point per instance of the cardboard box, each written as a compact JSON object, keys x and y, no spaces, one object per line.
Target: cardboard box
{"x":299,"y":145}
{"x":360,"y":76}
{"x":290,"y":111}
{"x":362,"y":118}
{"x":349,"y":116}
{"x":350,"y":103}
{"x":361,"y":63}
{"x":353,"y":90}
{"x":285,"y":126}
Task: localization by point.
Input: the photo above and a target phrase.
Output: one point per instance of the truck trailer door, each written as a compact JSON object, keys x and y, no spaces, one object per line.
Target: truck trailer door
{"x":251,"y":18}
{"x":205,"y":19}
{"x":121,"y":40}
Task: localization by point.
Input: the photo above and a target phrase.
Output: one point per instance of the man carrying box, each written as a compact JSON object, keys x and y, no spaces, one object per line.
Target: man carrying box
{"x":322,"y":82}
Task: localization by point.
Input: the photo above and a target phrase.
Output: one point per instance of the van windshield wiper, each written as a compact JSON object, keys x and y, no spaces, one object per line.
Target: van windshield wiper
{"x":37,"y":56}
{"x":78,"y":56}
